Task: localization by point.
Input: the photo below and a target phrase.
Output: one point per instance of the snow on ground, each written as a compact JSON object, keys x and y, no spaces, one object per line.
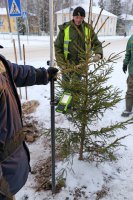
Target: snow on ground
{"x":115,"y":178}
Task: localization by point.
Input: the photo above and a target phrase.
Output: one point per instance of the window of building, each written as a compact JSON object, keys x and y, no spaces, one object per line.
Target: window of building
{"x":64,"y":18}
{"x":1,"y":22}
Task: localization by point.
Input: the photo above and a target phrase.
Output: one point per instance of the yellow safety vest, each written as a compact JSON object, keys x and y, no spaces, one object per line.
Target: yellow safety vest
{"x":67,"y":39}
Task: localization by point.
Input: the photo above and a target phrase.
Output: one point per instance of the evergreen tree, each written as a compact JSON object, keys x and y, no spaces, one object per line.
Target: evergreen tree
{"x":101,"y":4}
{"x":115,"y":7}
{"x":92,"y":96}
{"x":21,"y":26}
{"x":131,"y":11}
{"x":44,"y":16}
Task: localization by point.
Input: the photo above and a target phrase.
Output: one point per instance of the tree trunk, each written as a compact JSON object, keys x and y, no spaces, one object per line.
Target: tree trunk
{"x":82,"y":136}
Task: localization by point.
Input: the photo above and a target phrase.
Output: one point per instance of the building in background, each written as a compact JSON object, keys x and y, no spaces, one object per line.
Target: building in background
{"x":108,"y":29}
{"x":128,"y":20}
{"x":22,"y":23}
{"x":4,"y":26}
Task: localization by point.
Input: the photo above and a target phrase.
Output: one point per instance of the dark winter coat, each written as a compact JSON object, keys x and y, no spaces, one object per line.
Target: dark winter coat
{"x":129,"y":55}
{"x":16,"y":167}
{"x":76,"y":45}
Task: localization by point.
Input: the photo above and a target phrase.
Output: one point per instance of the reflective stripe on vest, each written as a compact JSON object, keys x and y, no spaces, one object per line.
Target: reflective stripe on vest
{"x":87,"y":35}
{"x":67,"y":39}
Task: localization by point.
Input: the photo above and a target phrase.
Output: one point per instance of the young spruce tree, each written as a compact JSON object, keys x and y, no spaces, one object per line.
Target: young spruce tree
{"x":91,"y":97}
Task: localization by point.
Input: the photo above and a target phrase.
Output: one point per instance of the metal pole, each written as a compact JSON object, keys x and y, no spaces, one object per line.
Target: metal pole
{"x":27,"y":25}
{"x":16,"y":60}
{"x":52,"y":95}
{"x":8,"y":18}
{"x":19,"y":45}
{"x":90,"y":12}
{"x":26,"y":95}
{"x":62,"y":12}
{"x":70,"y":4}
{"x":27,"y":21}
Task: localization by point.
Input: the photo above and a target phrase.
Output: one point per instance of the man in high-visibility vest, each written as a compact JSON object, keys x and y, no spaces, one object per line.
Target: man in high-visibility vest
{"x":72,"y":41}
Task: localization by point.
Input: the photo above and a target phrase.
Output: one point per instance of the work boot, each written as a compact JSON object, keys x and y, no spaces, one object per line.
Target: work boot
{"x":126,"y":113}
{"x":129,"y":105}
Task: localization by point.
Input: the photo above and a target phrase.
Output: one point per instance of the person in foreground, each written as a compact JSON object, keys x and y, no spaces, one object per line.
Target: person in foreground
{"x":14,"y":154}
{"x":128,"y":64}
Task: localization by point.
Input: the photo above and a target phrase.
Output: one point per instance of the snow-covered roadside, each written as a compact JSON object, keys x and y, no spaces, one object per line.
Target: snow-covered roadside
{"x":117,"y":176}
{"x":113,"y":178}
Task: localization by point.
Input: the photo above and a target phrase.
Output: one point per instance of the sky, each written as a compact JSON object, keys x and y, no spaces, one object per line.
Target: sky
{"x":115,"y":178}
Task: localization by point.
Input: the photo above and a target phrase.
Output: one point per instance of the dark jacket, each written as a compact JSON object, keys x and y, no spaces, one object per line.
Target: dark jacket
{"x":16,"y":167}
{"x":129,"y":55}
{"x":77,"y":44}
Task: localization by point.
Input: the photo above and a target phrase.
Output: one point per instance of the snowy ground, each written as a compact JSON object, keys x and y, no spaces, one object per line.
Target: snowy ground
{"x":115,"y":178}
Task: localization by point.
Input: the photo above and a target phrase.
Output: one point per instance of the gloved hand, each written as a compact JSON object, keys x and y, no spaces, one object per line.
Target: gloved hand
{"x":96,"y":58}
{"x":124,"y":68}
{"x":52,"y":73}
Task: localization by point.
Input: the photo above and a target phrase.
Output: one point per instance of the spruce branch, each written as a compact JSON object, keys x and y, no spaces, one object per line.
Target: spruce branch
{"x":98,"y":18}
{"x":102,"y":25}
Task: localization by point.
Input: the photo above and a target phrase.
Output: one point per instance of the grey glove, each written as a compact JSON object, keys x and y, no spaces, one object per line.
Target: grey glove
{"x":96,"y":58}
